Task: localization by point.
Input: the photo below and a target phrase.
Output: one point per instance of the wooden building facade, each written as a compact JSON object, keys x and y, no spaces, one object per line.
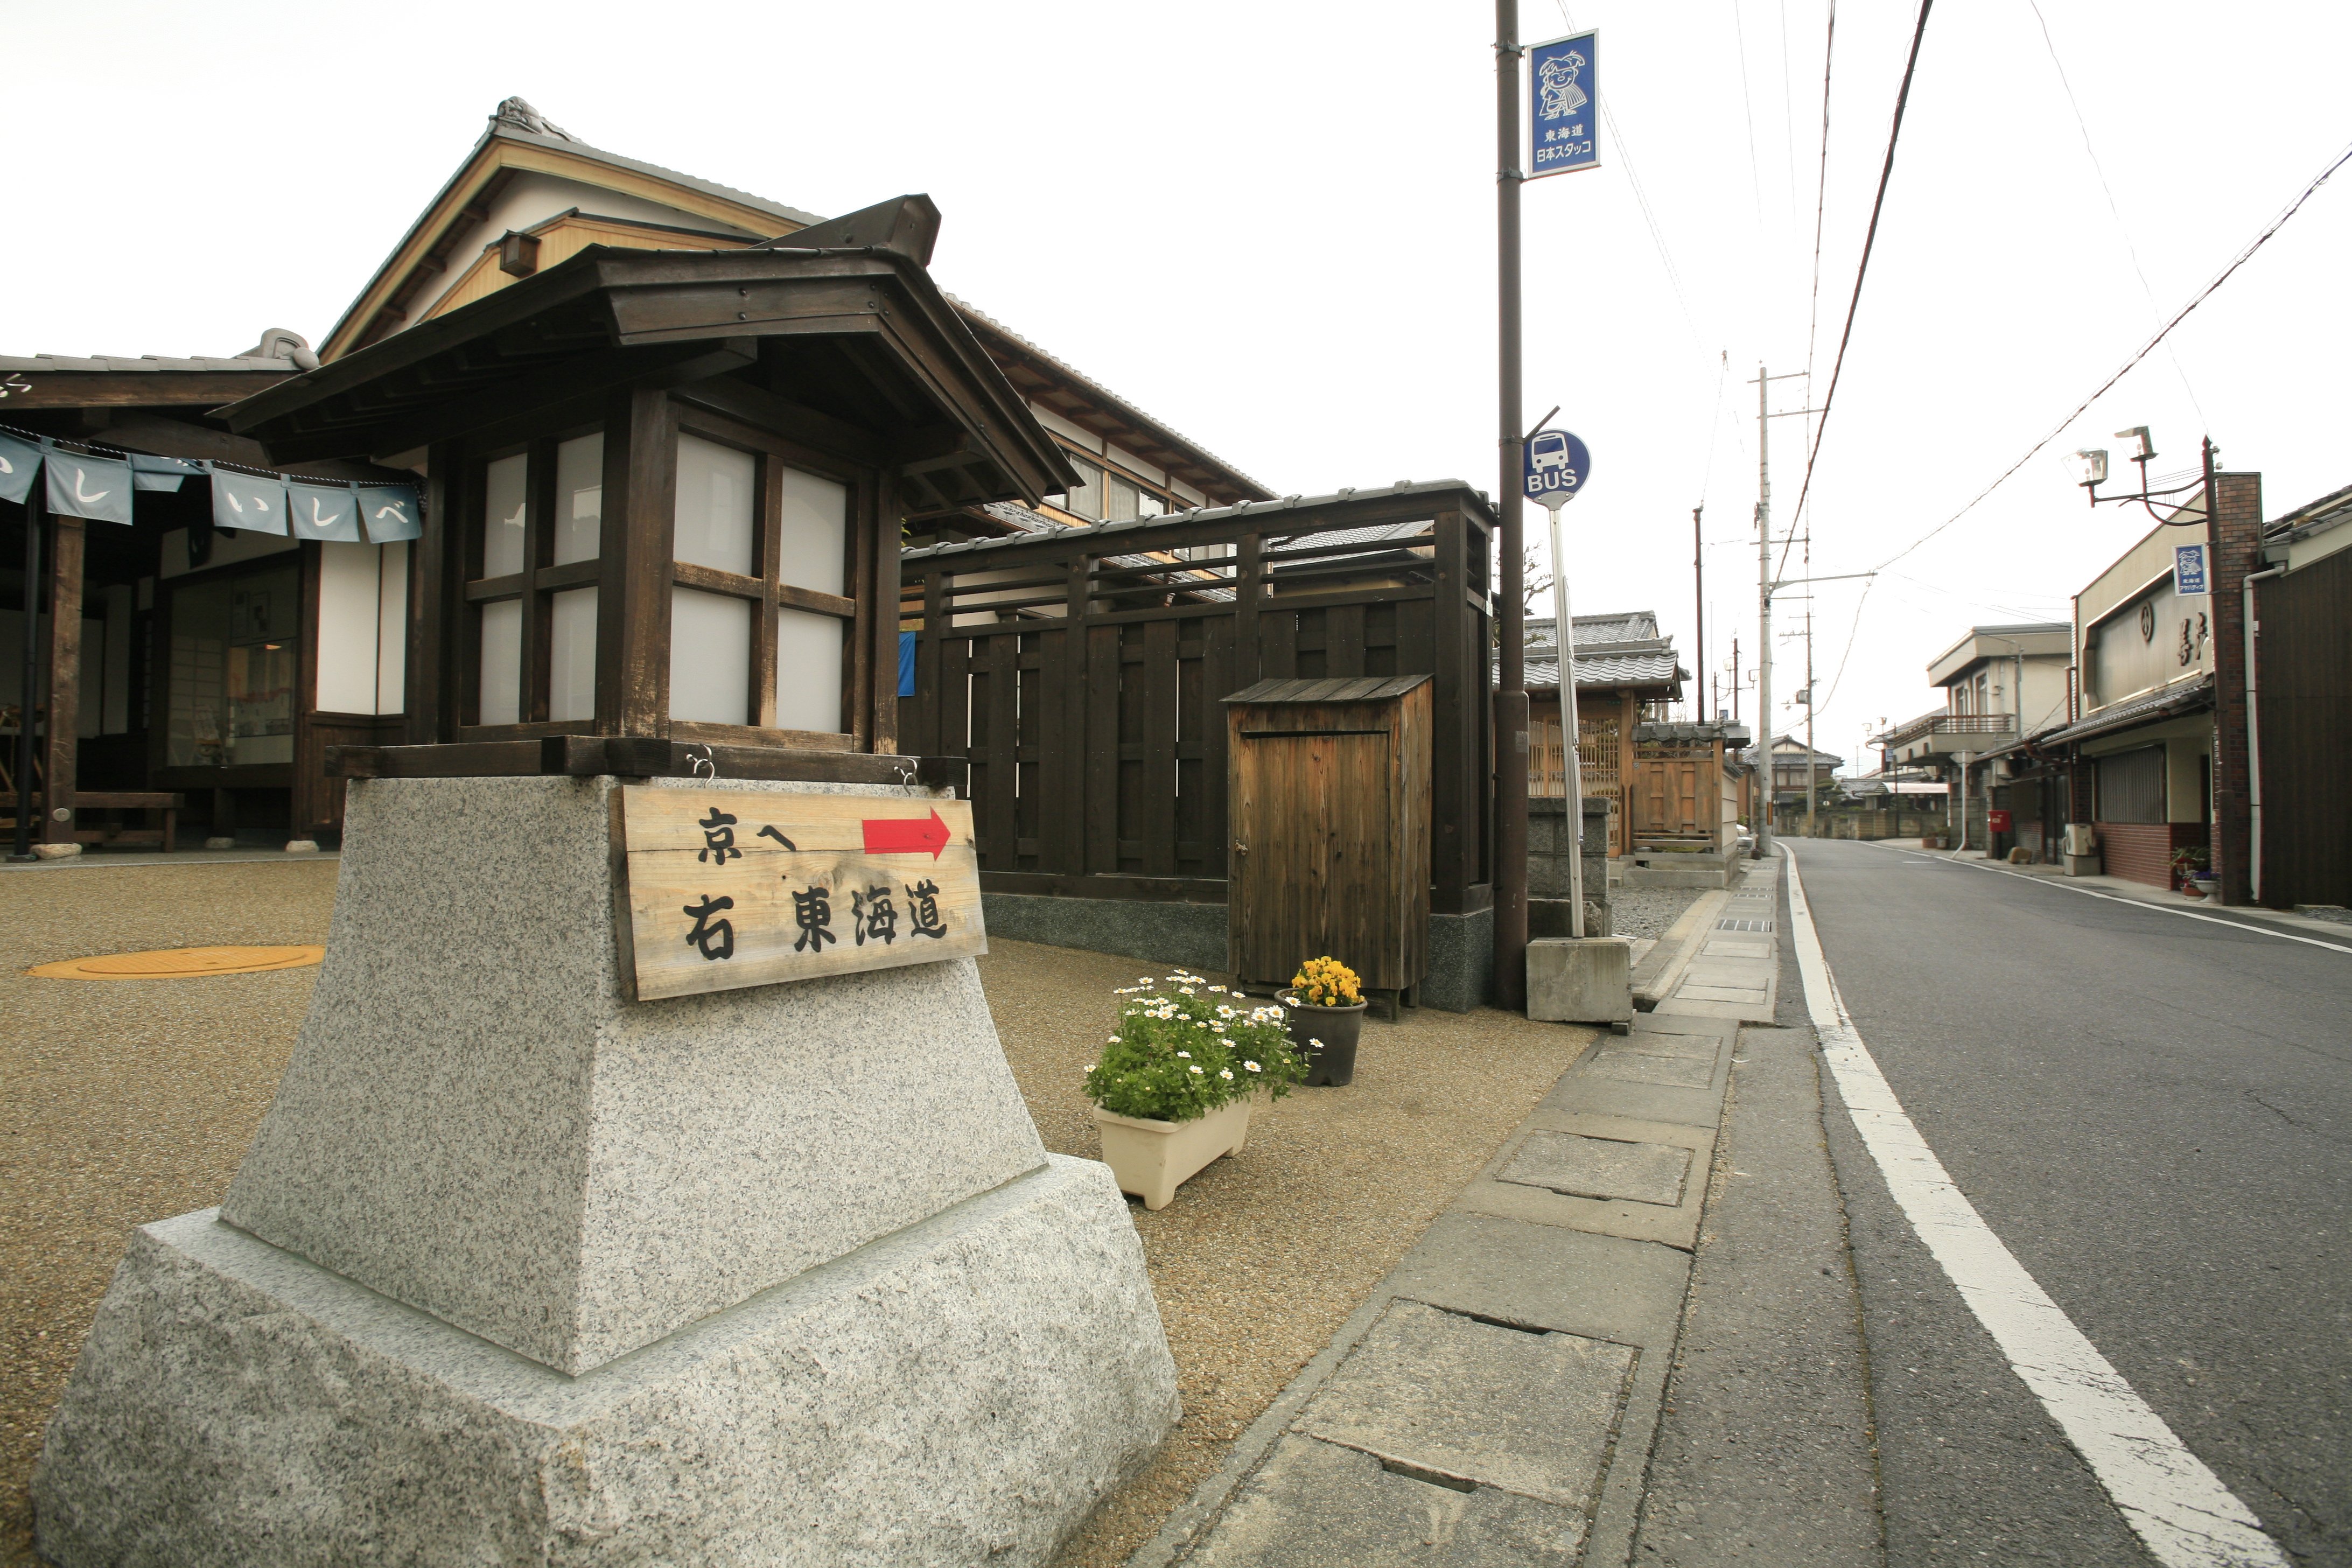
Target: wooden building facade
{"x":221,"y":666}
{"x":1080,"y":673}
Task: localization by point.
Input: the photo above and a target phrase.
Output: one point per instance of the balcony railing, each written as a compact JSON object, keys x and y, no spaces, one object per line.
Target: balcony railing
{"x":1928,"y":724}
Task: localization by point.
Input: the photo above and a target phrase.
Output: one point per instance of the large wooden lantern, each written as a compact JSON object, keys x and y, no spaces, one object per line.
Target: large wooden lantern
{"x":665,"y":492}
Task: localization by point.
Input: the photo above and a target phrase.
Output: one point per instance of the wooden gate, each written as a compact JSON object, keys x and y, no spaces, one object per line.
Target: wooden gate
{"x":2305,"y":720}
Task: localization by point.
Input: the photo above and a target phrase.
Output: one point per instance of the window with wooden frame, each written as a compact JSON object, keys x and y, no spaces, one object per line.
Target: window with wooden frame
{"x":762,"y":586}
{"x":533,"y":561}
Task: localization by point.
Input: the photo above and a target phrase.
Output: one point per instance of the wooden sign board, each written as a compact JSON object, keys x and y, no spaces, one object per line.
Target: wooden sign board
{"x":723,"y":888}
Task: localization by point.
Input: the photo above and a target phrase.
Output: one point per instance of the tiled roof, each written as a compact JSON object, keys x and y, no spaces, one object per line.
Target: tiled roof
{"x":1158,"y":427}
{"x":2182,"y":696}
{"x":1649,"y":667}
{"x":1627,"y":626}
{"x":1142,"y":528}
{"x":85,"y":364}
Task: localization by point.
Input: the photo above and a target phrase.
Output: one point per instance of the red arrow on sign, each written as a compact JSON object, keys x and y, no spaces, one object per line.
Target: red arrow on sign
{"x":905,"y":834}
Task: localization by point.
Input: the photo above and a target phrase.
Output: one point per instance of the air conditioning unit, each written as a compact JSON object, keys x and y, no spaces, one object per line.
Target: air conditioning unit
{"x":2079,"y":839}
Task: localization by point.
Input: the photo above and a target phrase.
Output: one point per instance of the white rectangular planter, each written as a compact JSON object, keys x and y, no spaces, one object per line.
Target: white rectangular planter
{"x":1152,"y":1159}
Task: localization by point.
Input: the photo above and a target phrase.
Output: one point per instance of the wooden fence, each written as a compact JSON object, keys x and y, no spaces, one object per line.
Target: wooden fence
{"x":2305,"y":719}
{"x":1080,"y":674}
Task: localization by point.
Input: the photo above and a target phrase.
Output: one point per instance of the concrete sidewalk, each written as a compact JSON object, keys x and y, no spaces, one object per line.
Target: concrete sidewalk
{"x":1735,"y":972}
{"x":1496,"y":1399}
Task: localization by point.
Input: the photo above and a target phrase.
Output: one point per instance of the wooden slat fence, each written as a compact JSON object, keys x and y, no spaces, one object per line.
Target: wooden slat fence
{"x":1081,"y":674}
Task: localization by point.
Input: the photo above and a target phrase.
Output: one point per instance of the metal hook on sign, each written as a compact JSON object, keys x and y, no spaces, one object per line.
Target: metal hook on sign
{"x":703,"y":766}
{"x":905,"y":774}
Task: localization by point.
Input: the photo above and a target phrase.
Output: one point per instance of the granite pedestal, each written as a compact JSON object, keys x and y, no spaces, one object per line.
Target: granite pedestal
{"x":519,"y":1270}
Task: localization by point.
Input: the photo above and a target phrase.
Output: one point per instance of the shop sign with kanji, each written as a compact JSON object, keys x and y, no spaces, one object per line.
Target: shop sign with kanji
{"x":726,"y":889}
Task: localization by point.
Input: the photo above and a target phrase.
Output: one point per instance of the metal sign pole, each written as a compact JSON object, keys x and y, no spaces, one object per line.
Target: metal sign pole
{"x":1571,"y":731}
{"x":1511,"y":695}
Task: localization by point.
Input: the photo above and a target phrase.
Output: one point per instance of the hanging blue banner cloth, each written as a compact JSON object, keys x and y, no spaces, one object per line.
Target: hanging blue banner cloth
{"x":163,"y":473}
{"x":324,"y":511}
{"x":250,"y":502}
{"x":391,"y":512}
{"x":96,"y":488}
{"x":20,"y":464}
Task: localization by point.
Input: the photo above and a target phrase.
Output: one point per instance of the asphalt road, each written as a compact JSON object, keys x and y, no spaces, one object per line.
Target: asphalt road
{"x":2155,"y":1114}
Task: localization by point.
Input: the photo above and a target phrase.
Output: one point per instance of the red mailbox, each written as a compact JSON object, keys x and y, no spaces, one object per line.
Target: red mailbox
{"x":1999,"y":821}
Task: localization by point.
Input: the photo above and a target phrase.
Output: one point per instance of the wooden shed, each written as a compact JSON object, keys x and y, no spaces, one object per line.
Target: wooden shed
{"x":1329,"y":785}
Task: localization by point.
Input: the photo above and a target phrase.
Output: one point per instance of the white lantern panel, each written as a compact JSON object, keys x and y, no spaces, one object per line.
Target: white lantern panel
{"x":811,"y":551}
{"x":710,"y":657}
{"x":506,"y":508}
{"x":580,"y":498}
{"x":571,"y":654}
{"x":808,"y":671}
{"x":716,"y":496}
{"x":501,"y":696}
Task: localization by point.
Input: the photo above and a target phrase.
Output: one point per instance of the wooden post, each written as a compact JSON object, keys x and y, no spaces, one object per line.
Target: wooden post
{"x":426,"y":691}
{"x":1457,"y":763}
{"x":882,"y":730}
{"x":65,"y":679}
{"x":640,"y":481}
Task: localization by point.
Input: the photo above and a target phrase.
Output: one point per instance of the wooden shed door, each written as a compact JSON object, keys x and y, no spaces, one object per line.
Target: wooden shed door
{"x":1318,"y":838}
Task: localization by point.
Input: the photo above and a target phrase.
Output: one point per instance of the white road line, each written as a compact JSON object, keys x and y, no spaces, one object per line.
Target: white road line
{"x":2119,"y":899}
{"x":2179,"y":1508}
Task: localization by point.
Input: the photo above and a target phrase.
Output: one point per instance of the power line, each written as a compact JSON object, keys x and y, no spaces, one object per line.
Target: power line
{"x":2116,"y":212}
{"x":1821,"y":200}
{"x":1642,"y":199}
{"x":1747,"y":103}
{"x":2146,"y":349}
{"x":1886,"y":174}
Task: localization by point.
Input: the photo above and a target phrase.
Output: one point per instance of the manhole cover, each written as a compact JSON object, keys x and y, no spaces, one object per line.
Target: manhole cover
{"x":181,"y":962}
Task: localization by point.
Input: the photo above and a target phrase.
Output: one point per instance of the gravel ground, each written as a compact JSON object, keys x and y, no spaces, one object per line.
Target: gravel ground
{"x":132,"y":1100}
{"x":127,"y":1101}
{"x":1648,"y":911}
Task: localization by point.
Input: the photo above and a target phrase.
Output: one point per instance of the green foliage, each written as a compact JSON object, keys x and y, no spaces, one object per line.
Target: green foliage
{"x":1185,"y":1047}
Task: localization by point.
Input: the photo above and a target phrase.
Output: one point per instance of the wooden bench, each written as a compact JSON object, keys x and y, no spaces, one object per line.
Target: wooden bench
{"x":163,"y":838}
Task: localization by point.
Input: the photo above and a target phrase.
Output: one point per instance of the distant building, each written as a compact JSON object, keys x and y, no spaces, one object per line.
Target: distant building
{"x":2004,"y":686}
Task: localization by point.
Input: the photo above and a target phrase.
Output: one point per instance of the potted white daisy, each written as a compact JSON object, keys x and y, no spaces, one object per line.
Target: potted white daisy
{"x":1174,"y":1087}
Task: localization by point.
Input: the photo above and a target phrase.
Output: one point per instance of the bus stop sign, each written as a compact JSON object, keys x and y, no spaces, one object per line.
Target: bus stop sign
{"x":1554,"y":468}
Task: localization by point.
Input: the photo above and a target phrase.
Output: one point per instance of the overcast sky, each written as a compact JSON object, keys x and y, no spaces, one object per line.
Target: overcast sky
{"x":1271,"y":226}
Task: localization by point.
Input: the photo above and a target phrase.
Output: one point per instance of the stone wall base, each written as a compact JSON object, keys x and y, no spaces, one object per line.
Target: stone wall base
{"x":965,"y":1390}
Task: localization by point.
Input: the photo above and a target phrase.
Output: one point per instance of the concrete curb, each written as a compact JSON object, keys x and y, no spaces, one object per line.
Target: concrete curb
{"x":1662,"y":968}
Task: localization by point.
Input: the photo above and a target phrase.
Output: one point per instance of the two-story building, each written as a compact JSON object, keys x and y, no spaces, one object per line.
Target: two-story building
{"x":2003,"y":687}
{"x":2141,"y":746}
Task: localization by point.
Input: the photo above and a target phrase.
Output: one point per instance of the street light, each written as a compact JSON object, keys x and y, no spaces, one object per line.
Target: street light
{"x":2090,"y":469}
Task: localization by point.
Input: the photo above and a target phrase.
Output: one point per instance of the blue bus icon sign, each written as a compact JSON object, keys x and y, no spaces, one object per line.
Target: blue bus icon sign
{"x":1556,"y":467}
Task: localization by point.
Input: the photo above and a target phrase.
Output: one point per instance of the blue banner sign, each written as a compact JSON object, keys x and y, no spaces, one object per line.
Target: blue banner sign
{"x":1554,"y":468}
{"x":1564,"y":124}
{"x":2189,"y":570}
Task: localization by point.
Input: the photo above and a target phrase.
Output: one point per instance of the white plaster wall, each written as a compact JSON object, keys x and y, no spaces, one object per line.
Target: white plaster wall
{"x":349,"y":626}
{"x":391,"y":632}
{"x":530,"y":198}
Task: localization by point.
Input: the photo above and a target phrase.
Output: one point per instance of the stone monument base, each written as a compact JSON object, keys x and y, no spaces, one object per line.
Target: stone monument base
{"x":961,"y":1390}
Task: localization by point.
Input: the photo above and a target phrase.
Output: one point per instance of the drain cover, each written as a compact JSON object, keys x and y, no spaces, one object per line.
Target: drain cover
{"x":181,"y":963}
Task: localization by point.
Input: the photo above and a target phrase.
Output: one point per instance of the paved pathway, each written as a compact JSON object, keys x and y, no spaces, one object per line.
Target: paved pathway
{"x":1493,"y":1401}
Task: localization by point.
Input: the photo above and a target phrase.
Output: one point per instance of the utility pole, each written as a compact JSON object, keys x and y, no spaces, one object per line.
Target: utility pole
{"x":1698,"y":584}
{"x":1812,"y":785}
{"x":1511,"y":694}
{"x":1735,"y":678}
{"x":1764,"y":607}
